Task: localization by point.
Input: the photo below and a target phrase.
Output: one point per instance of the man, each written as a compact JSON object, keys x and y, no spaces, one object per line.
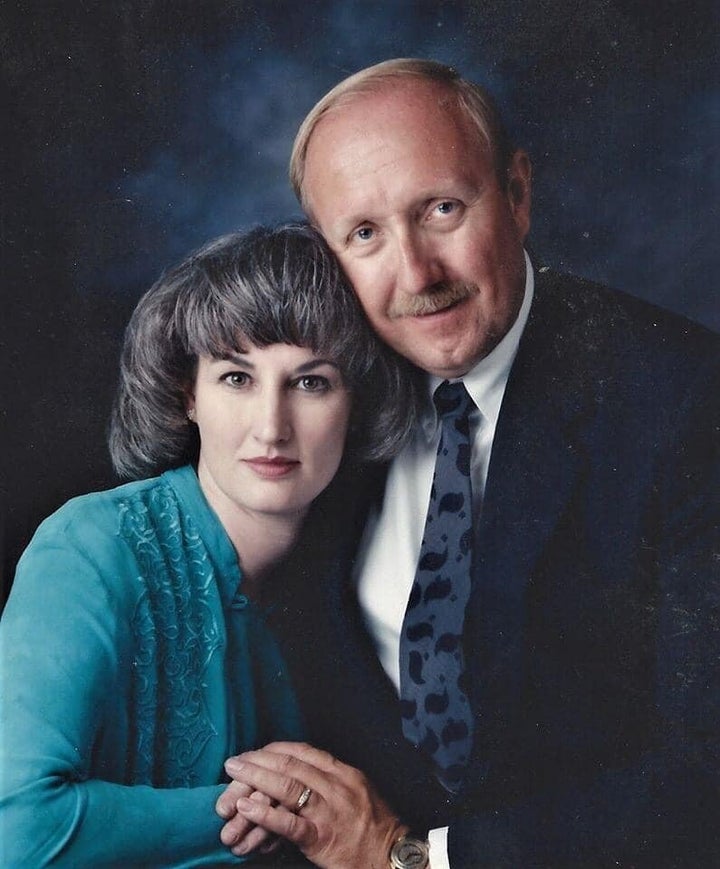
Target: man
{"x":590,"y":635}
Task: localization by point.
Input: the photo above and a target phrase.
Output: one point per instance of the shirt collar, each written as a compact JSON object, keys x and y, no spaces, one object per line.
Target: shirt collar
{"x":487,"y":380}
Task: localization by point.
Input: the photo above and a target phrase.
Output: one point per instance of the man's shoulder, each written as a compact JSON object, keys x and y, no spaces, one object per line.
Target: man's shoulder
{"x":588,"y":318}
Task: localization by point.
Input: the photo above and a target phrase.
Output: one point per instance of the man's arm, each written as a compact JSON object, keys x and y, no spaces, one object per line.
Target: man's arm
{"x":659,"y":806}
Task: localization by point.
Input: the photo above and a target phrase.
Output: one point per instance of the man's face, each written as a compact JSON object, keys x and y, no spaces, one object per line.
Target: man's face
{"x":404,"y":189}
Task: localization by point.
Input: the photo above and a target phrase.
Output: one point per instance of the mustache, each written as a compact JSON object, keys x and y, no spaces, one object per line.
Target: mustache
{"x":436,"y":298}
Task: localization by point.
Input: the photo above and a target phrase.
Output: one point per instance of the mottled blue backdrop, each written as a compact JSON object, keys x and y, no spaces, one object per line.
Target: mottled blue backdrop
{"x":136,"y":130}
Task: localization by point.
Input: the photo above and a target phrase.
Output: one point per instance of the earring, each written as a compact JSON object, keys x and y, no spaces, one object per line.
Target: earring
{"x":191,"y":414}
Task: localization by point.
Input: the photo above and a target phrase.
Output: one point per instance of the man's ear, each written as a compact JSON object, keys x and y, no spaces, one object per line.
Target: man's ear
{"x":519,"y":190}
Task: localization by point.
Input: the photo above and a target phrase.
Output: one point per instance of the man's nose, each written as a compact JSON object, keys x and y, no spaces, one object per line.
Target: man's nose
{"x":271,"y":417}
{"x":418,"y":264}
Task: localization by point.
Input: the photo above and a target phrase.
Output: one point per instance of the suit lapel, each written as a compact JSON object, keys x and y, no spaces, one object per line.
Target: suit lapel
{"x":534,"y":465}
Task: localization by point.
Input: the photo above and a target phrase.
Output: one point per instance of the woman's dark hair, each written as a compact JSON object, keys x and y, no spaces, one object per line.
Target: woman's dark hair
{"x":267,"y":286}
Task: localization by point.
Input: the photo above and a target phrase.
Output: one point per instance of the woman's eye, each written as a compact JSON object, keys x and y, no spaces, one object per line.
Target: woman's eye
{"x":236,"y":378}
{"x":313,"y":383}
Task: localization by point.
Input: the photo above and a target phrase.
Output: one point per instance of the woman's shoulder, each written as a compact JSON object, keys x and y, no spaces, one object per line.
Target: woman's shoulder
{"x":103,"y":524}
{"x":110,"y":534}
{"x":97,"y":511}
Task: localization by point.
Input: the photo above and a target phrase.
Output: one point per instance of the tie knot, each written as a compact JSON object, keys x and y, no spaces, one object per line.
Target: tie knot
{"x":452,"y":400}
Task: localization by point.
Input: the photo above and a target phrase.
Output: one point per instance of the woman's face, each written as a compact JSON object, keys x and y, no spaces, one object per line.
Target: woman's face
{"x":272,"y":424}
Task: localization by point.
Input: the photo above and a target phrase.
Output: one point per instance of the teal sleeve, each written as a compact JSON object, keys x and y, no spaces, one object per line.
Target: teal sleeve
{"x":63,"y":647}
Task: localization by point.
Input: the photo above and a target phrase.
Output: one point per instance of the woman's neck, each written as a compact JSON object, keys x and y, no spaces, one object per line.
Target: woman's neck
{"x":260,"y":543}
{"x":260,"y":540}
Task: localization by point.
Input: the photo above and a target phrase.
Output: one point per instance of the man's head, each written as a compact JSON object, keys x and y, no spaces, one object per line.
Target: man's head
{"x":407,"y":171}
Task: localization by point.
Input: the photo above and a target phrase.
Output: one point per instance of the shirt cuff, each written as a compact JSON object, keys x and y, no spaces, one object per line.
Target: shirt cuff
{"x":437,"y":839}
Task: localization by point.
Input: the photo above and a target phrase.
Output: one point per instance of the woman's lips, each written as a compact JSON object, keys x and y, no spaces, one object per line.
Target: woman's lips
{"x":271,"y":469}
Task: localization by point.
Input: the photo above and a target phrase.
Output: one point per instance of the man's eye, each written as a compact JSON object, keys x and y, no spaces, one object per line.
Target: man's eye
{"x":364,"y":233}
{"x":446,"y":207}
{"x":313,"y":383}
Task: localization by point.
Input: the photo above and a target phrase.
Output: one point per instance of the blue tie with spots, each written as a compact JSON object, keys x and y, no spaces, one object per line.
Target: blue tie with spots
{"x":436,"y":715}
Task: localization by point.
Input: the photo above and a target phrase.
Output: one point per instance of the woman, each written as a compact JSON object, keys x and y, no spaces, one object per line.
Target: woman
{"x":135,"y":654}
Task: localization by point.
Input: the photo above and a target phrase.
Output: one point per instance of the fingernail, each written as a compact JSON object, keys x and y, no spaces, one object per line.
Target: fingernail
{"x":233,"y":765}
{"x":246,"y":805}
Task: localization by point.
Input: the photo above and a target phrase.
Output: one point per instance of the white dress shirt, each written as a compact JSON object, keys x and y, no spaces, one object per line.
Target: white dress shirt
{"x":390,"y":548}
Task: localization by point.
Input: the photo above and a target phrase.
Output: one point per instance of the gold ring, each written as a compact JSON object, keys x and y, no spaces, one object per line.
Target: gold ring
{"x":302,"y":799}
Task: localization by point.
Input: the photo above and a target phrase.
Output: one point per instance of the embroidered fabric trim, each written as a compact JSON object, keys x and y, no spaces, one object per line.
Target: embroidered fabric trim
{"x":176,"y":633}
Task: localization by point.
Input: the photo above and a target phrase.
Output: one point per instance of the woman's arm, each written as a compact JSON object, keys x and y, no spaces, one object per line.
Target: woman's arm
{"x":63,"y":647}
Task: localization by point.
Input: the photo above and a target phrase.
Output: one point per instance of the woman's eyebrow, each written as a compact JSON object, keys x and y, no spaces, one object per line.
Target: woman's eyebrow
{"x":237,"y":358}
{"x":316,"y":363}
{"x":242,"y":359}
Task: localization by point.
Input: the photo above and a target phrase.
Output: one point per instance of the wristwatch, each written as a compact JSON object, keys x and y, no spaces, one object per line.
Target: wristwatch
{"x":409,"y":853}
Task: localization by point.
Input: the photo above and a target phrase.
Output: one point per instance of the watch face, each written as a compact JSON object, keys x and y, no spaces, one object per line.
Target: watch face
{"x":409,"y":854}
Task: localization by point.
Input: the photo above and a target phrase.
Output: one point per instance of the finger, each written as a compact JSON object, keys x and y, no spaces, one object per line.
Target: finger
{"x":258,"y":838}
{"x":316,"y":757}
{"x":324,"y":778}
{"x":254,"y":840}
{"x":225,"y":803}
{"x":235,"y":830}
{"x":238,"y":828}
{"x":272,"y":776}
{"x":273,"y":759}
{"x":278,"y":820}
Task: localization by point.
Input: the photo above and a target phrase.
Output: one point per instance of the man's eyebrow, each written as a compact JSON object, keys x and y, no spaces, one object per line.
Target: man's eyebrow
{"x":341,"y":228}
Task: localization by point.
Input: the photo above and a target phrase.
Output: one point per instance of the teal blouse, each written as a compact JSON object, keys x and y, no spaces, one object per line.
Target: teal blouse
{"x":132,"y":666}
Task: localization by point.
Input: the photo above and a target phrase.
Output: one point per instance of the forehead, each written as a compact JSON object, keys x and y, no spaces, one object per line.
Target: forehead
{"x":406,"y":134}
{"x":397,"y":102}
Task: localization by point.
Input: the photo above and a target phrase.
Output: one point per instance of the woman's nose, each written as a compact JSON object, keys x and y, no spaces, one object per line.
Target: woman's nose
{"x":272,"y":420}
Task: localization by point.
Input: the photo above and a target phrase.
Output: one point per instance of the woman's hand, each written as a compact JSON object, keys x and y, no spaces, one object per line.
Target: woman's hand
{"x":341,"y":824}
{"x":243,"y":835}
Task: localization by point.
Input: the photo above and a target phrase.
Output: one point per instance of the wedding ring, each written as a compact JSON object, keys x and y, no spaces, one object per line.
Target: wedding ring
{"x":302,"y":799}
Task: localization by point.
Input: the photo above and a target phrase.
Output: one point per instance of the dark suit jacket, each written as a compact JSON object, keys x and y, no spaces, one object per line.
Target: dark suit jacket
{"x":592,"y":637}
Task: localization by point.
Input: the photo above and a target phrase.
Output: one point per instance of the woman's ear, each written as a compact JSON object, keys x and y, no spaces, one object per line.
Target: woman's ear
{"x":190,"y":406}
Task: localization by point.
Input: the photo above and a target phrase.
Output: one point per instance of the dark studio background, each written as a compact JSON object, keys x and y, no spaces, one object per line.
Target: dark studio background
{"x":133,"y":131}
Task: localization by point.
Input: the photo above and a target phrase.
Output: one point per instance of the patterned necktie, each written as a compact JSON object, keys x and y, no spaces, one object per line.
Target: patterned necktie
{"x":436,"y":715}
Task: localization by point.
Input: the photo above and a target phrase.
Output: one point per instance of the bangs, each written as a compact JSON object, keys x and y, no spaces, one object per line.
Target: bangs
{"x":261,"y":300}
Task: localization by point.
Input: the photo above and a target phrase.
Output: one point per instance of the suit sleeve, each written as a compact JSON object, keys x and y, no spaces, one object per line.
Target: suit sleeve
{"x":63,"y":644}
{"x":663,"y":808}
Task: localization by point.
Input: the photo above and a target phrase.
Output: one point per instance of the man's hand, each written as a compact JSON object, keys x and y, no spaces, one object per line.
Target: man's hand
{"x":343,"y":824}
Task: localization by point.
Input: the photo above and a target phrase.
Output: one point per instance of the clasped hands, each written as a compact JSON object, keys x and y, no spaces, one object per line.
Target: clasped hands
{"x":342,"y":824}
